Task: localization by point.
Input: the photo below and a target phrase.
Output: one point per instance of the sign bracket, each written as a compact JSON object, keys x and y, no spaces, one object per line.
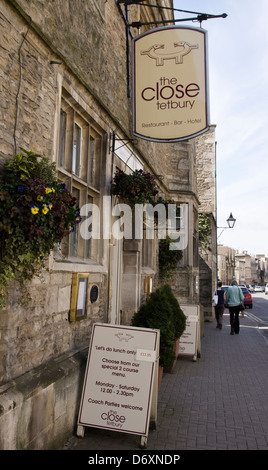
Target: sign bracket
{"x":200,"y":18}
{"x":113,"y":139}
{"x":137,"y":24}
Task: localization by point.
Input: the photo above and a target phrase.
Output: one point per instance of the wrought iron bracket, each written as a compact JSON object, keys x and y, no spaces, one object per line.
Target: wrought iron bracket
{"x":199,"y":18}
{"x":113,"y":139}
{"x":137,"y":24}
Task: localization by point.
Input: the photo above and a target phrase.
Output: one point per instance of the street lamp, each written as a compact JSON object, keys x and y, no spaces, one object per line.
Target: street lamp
{"x":230,"y":221}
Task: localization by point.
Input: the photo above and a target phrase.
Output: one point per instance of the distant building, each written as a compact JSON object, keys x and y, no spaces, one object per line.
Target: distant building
{"x":226,"y":264}
{"x":243,"y":272}
{"x":261,"y":269}
{"x":245,"y":268}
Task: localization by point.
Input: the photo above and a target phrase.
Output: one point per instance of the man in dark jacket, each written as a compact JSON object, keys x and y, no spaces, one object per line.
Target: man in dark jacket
{"x":219,"y":308}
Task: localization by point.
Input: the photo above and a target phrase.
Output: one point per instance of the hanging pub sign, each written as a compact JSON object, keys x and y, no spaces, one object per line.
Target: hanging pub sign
{"x":170,"y":91}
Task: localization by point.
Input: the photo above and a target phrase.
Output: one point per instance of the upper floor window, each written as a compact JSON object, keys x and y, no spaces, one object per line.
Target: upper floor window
{"x":79,"y":144}
{"x":79,"y":161}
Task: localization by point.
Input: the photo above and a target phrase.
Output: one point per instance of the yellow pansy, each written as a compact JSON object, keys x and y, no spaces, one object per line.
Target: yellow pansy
{"x":34,"y":210}
{"x":45,"y":209}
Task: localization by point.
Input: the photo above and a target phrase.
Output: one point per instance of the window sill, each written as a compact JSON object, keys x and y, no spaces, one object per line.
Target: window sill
{"x":76,"y":265}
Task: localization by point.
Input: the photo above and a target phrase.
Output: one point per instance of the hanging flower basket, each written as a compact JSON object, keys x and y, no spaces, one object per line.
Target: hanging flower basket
{"x":166,"y":202}
{"x":138,"y":187}
{"x":35,"y":213}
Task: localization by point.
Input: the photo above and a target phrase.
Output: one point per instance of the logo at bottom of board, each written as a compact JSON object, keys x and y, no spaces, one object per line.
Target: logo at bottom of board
{"x":112,"y":418}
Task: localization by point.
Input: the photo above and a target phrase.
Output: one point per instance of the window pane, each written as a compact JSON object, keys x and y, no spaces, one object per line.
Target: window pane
{"x":178,"y":219}
{"x":91,"y":159}
{"x":73,"y":239}
{"x":88,"y":239}
{"x":76,"y":149}
{"x":62,"y":137}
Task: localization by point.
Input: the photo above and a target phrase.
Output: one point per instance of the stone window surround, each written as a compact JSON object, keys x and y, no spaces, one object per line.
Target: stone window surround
{"x":96,"y":131}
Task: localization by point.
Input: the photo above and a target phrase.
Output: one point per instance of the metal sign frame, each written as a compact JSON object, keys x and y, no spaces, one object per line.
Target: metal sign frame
{"x":190,"y":341}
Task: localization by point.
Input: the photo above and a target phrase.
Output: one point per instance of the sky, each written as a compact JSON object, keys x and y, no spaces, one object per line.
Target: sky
{"x":238,"y":89}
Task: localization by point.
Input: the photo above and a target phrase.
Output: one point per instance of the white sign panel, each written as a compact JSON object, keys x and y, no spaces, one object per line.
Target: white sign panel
{"x":119,"y":378}
{"x":170,"y":86}
{"x":189,"y":339}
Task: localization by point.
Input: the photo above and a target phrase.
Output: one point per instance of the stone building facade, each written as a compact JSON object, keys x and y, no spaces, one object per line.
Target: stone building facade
{"x":226,"y":264}
{"x":63,"y":78}
{"x":261,"y":263}
{"x":243,"y":268}
{"x":206,"y":181}
{"x":246,"y":268}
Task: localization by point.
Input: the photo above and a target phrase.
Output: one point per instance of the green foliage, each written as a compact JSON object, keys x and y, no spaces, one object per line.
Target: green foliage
{"x":157,"y":314}
{"x":179,"y":318}
{"x":204,"y":228}
{"x":35,"y":213}
{"x":136,"y":188}
{"x":168,"y":259}
{"x":29,"y":165}
{"x":161,"y":312}
{"x":166,"y":202}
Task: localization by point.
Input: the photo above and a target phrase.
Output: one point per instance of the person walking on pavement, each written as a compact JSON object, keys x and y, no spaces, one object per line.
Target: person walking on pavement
{"x":234,"y":298}
{"x":219,"y":308}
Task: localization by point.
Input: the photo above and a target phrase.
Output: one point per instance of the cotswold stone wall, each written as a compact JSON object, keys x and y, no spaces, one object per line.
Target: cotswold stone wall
{"x":28,"y":89}
{"x":90,"y":37}
{"x":205,"y":171}
{"x":206,"y":183}
{"x":32,"y":334}
{"x":38,"y":410}
{"x":180,"y":175}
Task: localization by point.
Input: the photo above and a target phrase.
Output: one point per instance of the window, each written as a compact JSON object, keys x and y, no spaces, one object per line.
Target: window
{"x":91,"y":158}
{"x":73,"y":237}
{"x":76,"y":149}
{"x":79,"y":161}
{"x":88,"y":241}
{"x":195,"y":240}
{"x":62,"y":137}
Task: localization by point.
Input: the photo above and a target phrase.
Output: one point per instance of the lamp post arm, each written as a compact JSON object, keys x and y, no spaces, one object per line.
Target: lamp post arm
{"x":221,"y":231}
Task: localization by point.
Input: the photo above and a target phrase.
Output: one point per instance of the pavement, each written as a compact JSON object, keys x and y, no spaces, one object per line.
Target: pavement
{"x":218,"y":402}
